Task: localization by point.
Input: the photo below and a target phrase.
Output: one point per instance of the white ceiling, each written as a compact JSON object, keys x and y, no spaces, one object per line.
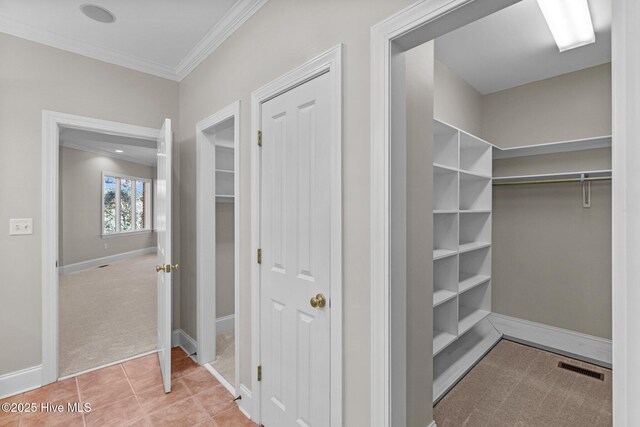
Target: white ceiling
{"x":167,"y":38}
{"x":514,"y":47}
{"x":142,"y":151}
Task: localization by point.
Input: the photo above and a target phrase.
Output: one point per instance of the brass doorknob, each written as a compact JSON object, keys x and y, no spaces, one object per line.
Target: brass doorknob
{"x":167,"y":268}
{"x":318,"y":301}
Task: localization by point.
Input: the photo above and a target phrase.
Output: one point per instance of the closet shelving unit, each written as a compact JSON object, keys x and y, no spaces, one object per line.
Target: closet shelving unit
{"x":462,"y":165}
{"x":225,"y":192}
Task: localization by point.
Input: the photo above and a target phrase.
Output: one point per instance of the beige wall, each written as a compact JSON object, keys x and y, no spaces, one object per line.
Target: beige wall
{"x":80,"y":231}
{"x":225,"y":260}
{"x":34,"y":77}
{"x":455,"y":101}
{"x":552,"y":257}
{"x":571,"y":106}
{"x":282,"y":35}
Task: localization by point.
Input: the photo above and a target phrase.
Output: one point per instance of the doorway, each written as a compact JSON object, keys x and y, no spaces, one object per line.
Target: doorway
{"x":296,"y":238}
{"x":218,"y":243}
{"x":123,"y":206}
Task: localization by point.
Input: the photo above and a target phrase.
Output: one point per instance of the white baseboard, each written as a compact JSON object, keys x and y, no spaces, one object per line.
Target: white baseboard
{"x":433,"y":424}
{"x":568,"y":343}
{"x":20,"y":381}
{"x":180,"y":338}
{"x":225,"y":324}
{"x":70,"y":268}
{"x":244,"y":404}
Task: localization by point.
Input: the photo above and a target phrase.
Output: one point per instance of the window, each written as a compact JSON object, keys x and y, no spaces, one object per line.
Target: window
{"x":126,"y":204}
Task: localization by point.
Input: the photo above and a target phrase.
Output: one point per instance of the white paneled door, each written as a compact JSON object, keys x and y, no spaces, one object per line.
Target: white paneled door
{"x":295,"y":273}
{"x":164,"y":264}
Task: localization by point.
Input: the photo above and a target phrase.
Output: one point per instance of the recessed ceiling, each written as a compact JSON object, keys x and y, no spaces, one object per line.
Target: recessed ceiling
{"x":142,"y":151}
{"x":167,"y":38}
{"x":514,"y":46}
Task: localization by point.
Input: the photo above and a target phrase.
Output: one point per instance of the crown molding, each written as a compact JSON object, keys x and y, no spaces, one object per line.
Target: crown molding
{"x":48,"y":38}
{"x":239,"y":13}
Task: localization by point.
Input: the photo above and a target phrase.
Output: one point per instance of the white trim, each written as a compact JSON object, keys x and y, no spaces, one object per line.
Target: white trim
{"x":83,"y":265}
{"x":572,"y":344}
{"x":245,"y":404}
{"x":51,"y":124}
{"x":126,"y":233}
{"x":180,"y":338}
{"x":222,"y":380}
{"x":329,"y":61}
{"x":239,"y":13}
{"x":225,"y":324}
{"x":48,"y":38}
{"x":432,"y":424}
{"x":206,"y":232}
{"x":20,"y":381}
{"x":106,"y":365}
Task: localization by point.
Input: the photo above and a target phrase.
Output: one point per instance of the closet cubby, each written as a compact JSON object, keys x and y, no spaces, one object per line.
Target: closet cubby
{"x":445,"y":279}
{"x":475,"y":193}
{"x":445,"y":234}
{"x":475,"y":155}
{"x":445,"y":189}
{"x":474,"y":230}
{"x":475,"y":268}
{"x":475,"y":305}
{"x":445,"y":324}
{"x":445,"y":145}
{"x":225,"y":191}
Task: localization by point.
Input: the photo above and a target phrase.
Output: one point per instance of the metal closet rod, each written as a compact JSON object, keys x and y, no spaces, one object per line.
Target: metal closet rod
{"x":553,"y":181}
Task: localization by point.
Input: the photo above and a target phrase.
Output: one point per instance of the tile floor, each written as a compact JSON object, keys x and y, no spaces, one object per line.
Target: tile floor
{"x":131,"y":394}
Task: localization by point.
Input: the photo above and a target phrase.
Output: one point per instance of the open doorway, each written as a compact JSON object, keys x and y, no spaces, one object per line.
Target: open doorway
{"x":107,"y":249}
{"x":219,"y":245}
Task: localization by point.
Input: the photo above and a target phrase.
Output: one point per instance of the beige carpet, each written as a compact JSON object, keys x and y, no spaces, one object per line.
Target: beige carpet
{"x":516,"y":385}
{"x":107,"y":314}
{"x":225,"y":362}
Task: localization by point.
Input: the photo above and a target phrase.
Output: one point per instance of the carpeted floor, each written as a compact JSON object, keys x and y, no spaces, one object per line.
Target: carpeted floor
{"x":107,"y":314}
{"x":516,"y":385}
{"x":225,"y":362}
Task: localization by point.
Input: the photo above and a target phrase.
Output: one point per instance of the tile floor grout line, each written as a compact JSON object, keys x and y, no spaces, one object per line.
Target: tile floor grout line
{"x":84,"y":419}
{"x":145,"y":415}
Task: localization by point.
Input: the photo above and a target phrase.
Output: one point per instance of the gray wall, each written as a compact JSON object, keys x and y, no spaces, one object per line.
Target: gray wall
{"x":282,"y":35}
{"x":571,"y":106}
{"x":34,"y":77}
{"x":455,"y":101}
{"x":225,"y":260}
{"x":80,"y":232}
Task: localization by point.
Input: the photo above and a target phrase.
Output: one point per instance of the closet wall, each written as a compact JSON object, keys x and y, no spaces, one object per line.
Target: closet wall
{"x":551,"y":257}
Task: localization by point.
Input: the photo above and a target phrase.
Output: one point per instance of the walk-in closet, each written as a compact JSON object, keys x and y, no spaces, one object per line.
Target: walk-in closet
{"x":521,"y":154}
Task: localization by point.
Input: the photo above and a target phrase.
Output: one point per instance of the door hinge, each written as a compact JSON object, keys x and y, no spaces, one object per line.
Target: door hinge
{"x":259,"y":256}
{"x":260,"y":138}
{"x":260,"y":373}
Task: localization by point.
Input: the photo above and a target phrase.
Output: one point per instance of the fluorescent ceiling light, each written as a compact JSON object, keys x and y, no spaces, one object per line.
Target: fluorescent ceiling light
{"x":119,"y":151}
{"x":569,"y":22}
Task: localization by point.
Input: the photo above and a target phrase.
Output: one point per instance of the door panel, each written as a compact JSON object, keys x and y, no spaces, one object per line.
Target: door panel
{"x":163,"y":231}
{"x":296,"y":256}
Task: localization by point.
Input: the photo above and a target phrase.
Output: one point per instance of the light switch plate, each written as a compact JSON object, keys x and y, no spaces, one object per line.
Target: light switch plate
{"x":20,"y":226}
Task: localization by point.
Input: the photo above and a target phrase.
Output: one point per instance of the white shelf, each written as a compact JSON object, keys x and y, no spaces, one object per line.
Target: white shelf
{"x":444,"y":211}
{"x":445,"y":144}
{"x":469,"y":318}
{"x":468,"y":247}
{"x":559,"y":175}
{"x":475,"y":192}
{"x":552,"y":147}
{"x":441,"y":296}
{"x":475,"y":155}
{"x":442,"y":253}
{"x":441,"y":340}
{"x":223,"y":198}
{"x":223,"y":171}
{"x":470,"y":281}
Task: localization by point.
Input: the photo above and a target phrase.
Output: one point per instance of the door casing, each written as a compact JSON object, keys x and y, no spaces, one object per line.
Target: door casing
{"x":329,"y":61}
{"x":51,"y":124}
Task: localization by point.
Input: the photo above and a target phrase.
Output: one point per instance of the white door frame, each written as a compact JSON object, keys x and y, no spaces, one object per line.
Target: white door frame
{"x":413,"y":26}
{"x":51,"y":124}
{"x":206,"y":238}
{"x":329,"y":61}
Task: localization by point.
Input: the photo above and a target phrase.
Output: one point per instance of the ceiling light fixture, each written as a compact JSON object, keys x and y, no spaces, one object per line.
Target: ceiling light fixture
{"x":119,"y":151}
{"x":98,"y":13}
{"x":569,"y":22}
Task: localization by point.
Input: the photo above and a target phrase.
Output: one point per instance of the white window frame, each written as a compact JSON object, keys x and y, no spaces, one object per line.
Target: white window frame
{"x":148,"y":204}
